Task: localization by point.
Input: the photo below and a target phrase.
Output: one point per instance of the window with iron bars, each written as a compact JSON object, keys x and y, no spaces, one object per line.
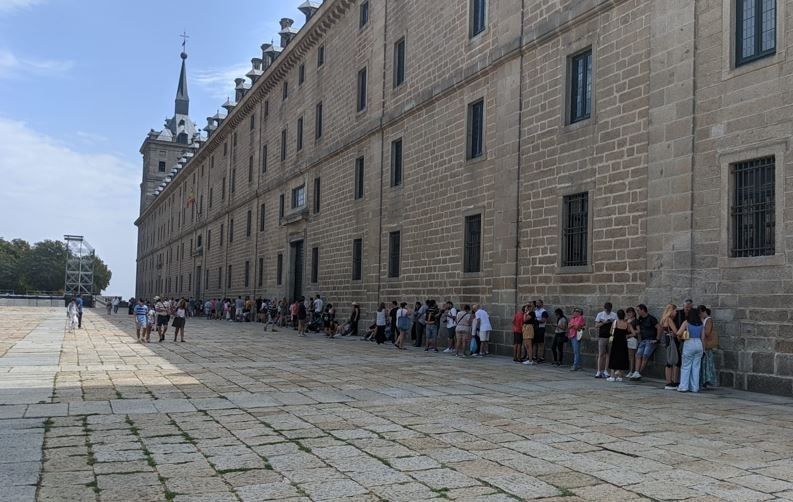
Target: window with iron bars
{"x":753,"y":211}
{"x":575,"y":230}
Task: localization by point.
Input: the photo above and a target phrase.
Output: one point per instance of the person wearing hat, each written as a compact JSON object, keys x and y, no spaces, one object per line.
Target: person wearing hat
{"x":355,"y":316}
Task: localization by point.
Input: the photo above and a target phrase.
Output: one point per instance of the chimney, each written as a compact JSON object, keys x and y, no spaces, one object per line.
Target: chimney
{"x":239,"y":89}
{"x":266,"y":56}
{"x":287,"y":32}
{"x":256,"y":70}
{"x":309,"y":8}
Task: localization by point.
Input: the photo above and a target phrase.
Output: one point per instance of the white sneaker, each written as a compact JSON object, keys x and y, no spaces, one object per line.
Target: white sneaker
{"x":636,"y":375}
{"x":528,"y":362}
{"x":611,"y":379}
{"x":447,"y":350}
{"x":619,"y":379}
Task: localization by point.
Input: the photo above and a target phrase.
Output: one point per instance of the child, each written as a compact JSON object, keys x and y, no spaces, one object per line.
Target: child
{"x":152,"y":319}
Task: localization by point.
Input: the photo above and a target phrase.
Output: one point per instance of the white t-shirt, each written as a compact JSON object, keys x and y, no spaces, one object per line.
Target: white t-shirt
{"x":538,"y":314}
{"x":180,"y":312}
{"x":401,"y":313}
{"x":380,"y":319}
{"x":318,"y":305}
{"x":484,"y":320}
{"x":451,"y":318}
{"x":604,"y":317}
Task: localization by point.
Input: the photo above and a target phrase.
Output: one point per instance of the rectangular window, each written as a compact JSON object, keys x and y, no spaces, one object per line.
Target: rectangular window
{"x":247,"y":273}
{"x":301,"y":74}
{"x":206,"y":278}
{"x":266,"y":108}
{"x":279,"y":268}
{"x":575,"y":230}
{"x":755,"y":30}
{"x":320,"y":56}
{"x":753,"y":209}
{"x":476,"y":129}
{"x":283,"y":145}
{"x":250,"y":169}
{"x":357,"y":259}
{"x":223,"y":189}
{"x":225,"y":148}
{"x":396,"y":162}
{"x":248,"y":221}
{"x":261,"y":272}
{"x":399,"y":62}
{"x":285,"y":90}
{"x":314,"y":265}
{"x":477,"y":17}
{"x":264,"y":158}
{"x":220,"y":277}
{"x":261,"y":218}
{"x":209,"y":239}
{"x":253,"y":122}
{"x":211,"y":193}
{"x":233,"y":183}
{"x":581,"y":86}
{"x":231,"y":230}
{"x":363,"y":14}
{"x":281,"y":206}
{"x":361,"y":96}
{"x":299,"y":134}
{"x":298,"y":196}
{"x":221,"y":234}
{"x":228,"y":277}
{"x":359,"y":166}
{"x":393,"y":254}
{"x":316,"y":195}
{"x":161,"y":166}
{"x":472,"y":259}
{"x":318,"y":121}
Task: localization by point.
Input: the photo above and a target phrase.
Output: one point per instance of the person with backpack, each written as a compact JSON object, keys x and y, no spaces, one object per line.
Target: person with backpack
{"x":463,"y":330}
{"x":432,"y":318}
{"x":403,"y":325}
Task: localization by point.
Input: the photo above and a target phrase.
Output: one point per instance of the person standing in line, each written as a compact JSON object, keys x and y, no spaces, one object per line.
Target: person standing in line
{"x":380,"y":322}
{"x":691,"y":333}
{"x":483,"y":328}
{"x":208,"y":308}
{"x":576,"y":328}
{"x":329,"y":321}
{"x":293,"y":312}
{"x":431,"y":318}
{"x":539,"y":336}
{"x":402,"y":325}
{"x":603,"y":323}
{"x":355,"y":316}
{"x":141,"y":320}
{"x":618,"y":356}
{"x":319,"y":308}
{"x":451,"y":326}
{"x":463,"y":330}
{"x":392,"y":317}
{"x":649,"y":333}
{"x":633,"y":342}
{"x":302,"y":314}
{"x":559,"y":337}
{"x":670,"y":343}
{"x":79,"y":302}
{"x":709,"y":377}
{"x":517,"y":334}
{"x":529,"y":333}
{"x":420,"y":321}
{"x":179,"y":320}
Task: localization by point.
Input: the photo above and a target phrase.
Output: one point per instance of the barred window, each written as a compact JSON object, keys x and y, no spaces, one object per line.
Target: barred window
{"x":472,"y":260}
{"x":755,"y":30}
{"x":393,"y":254}
{"x":581,"y":87}
{"x":357,"y":259}
{"x":575,"y":230}
{"x":359,"y":166}
{"x":753,"y":208}
{"x":314,"y":264}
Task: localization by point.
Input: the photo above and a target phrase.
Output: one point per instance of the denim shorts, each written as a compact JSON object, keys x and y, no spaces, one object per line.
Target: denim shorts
{"x":431,"y":331}
{"x":646,"y":348}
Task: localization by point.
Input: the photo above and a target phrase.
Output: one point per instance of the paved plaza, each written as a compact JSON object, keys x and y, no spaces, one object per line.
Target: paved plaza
{"x":238,"y":414}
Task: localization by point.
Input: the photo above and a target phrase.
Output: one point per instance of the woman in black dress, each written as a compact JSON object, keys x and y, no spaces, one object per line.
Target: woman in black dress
{"x":618,"y":357}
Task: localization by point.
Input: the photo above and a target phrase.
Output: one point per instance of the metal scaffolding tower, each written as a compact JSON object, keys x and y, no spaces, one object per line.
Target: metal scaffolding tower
{"x":79,"y":266}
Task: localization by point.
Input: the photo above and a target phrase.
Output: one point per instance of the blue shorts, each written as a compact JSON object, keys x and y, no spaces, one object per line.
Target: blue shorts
{"x":431,"y":331}
{"x":646,"y":348}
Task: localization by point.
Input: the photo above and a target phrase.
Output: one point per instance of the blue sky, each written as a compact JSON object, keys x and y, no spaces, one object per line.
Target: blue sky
{"x":82,"y":82}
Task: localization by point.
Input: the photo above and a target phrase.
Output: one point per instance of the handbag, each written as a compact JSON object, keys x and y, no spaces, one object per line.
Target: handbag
{"x":712,"y":341}
{"x":686,"y":335}
{"x":579,"y":334}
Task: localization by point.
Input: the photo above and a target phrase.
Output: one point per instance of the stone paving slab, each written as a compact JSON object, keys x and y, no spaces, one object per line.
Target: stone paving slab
{"x":94,"y":415}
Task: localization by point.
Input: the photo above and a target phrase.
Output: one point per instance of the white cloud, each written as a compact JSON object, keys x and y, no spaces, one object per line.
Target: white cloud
{"x":91,"y":137}
{"x":49,"y":189}
{"x":219,"y":82}
{"x":10,"y":5}
{"x":13,"y":66}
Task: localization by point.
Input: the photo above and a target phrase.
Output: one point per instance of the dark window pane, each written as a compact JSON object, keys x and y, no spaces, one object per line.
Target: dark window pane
{"x":248,"y":219}
{"x":261,"y":218}
{"x":473,"y":237}
{"x":754,"y":208}
{"x":357,"y":257}
{"x":314,"y":264}
{"x":361,"y":102}
{"x":755,"y":30}
{"x":575,"y":230}
{"x":318,"y":121}
{"x":261,"y":272}
{"x":396,"y":162}
{"x":393,"y":254}
{"x":399,"y":63}
{"x":283,"y":145}
{"x":279,"y":268}
{"x":264,"y":158}
{"x":363,"y":14}
{"x":300,"y":134}
{"x":359,"y":172}
{"x":321,"y":56}
{"x":477,"y":15}
{"x":581,"y":87}
{"x":316,"y":195}
{"x":476,"y":129}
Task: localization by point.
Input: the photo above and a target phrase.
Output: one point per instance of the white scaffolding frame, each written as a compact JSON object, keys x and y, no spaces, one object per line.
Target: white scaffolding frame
{"x":79,"y":266}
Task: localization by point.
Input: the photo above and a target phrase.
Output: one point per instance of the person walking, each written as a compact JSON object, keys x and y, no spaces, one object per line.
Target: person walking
{"x":559,"y":337}
{"x":179,"y":320}
{"x":79,"y":302}
{"x":161,"y":309}
{"x":116,"y":301}
{"x":141,"y":320}
{"x":380,"y":322}
{"x":603,"y":322}
{"x":72,"y":314}
{"x":618,"y":356}
{"x":690,"y":332}
{"x":575,"y":332}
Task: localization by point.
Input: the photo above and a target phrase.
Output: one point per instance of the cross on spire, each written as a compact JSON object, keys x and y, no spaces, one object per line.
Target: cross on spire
{"x":184,"y":36}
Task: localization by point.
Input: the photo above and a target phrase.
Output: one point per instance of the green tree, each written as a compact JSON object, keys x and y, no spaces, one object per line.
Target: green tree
{"x":11,"y":253}
{"x":102,"y":275}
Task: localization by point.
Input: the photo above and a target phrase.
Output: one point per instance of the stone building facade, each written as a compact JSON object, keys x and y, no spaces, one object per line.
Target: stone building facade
{"x":494,"y":152}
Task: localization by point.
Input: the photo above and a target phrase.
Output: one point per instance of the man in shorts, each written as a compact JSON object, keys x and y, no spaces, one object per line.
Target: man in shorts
{"x":541,"y":315}
{"x":649,"y":334}
{"x":483,"y":328}
{"x":451,"y":325}
{"x":141,"y":319}
{"x":432,"y":318}
{"x":603,"y":322}
{"x":163,"y":316}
